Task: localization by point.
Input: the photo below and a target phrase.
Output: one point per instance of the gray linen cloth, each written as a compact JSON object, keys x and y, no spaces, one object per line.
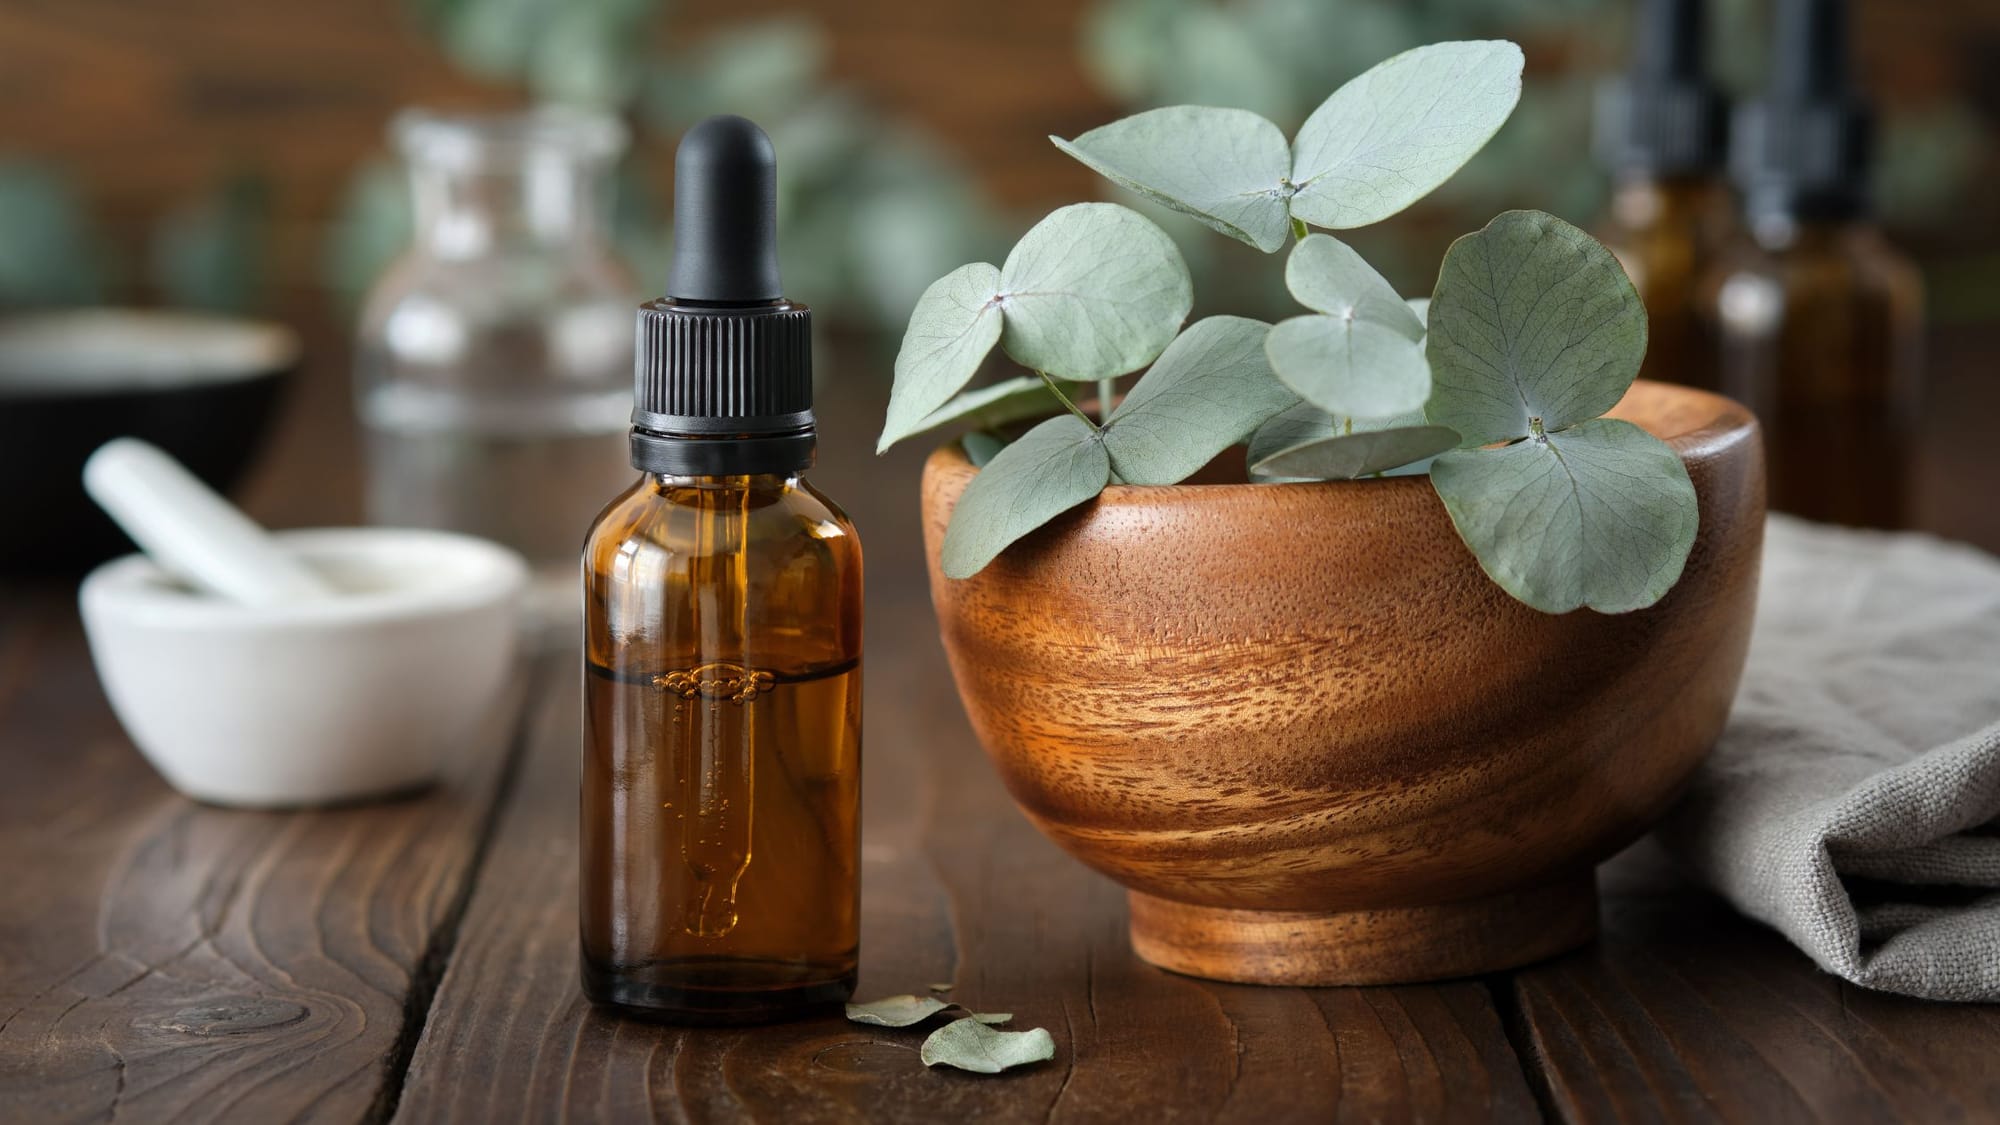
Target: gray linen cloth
{"x":1852,"y":800}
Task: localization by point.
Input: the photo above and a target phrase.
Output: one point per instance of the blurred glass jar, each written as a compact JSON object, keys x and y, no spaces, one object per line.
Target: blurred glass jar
{"x":494,"y":366}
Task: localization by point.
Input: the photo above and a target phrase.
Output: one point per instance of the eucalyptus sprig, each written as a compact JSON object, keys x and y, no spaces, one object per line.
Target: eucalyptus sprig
{"x":1495,"y":386}
{"x":1377,"y":145}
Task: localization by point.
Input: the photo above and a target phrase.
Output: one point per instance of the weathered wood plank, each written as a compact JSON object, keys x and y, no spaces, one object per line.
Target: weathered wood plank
{"x":161,"y":959}
{"x":1686,"y":1011}
{"x":959,"y":888}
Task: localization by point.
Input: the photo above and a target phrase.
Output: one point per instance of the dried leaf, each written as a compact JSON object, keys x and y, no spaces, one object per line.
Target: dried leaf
{"x":970,"y":1045}
{"x":896,"y":1011}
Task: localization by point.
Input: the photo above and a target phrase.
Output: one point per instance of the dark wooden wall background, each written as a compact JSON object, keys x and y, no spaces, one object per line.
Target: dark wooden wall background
{"x":147,"y":101}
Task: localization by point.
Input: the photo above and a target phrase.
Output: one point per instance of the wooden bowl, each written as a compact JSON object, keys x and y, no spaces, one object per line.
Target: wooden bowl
{"x":1314,"y":741}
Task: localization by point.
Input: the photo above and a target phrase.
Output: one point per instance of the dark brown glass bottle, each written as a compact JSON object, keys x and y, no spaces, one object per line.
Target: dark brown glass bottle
{"x":1820,"y":324}
{"x":1668,"y":234}
{"x":1819,"y":319}
{"x":1660,"y":132}
{"x":722,"y":644}
{"x":722,"y":749}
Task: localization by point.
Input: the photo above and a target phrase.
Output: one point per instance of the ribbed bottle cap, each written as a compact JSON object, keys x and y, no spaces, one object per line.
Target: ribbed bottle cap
{"x":1805,"y":148}
{"x":1662,"y":117}
{"x":723,"y":378}
{"x":714,"y":369}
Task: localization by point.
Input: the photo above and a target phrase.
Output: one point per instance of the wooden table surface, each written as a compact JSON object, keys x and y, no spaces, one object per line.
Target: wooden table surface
{"x":415,"y":960}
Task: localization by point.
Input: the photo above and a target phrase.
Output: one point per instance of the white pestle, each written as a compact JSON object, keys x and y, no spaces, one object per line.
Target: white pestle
{"x":193,"y":533}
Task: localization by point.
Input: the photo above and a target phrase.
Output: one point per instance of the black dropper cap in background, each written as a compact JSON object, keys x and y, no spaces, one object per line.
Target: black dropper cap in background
{"x":1802,"y":151}
{"x":1662,"y":117}
{"x":723,"y":375}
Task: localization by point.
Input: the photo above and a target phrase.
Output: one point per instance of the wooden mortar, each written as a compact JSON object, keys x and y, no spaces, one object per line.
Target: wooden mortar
{"x":1314,"y":741}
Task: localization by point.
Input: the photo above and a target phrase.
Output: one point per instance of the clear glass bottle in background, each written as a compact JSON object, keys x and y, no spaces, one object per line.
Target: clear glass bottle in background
{"x":1819,"y":318}
{"x":494,"y":365}
{"x":1661,"y":133}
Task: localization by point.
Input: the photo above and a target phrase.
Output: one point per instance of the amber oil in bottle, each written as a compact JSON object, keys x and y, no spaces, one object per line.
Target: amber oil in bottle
{"x":722,"y":680}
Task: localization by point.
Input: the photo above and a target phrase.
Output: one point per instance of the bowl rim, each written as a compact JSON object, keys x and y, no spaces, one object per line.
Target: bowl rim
{"x":1729,"y":422}
{"x":134,"y":590}
{"x":266,"y":349}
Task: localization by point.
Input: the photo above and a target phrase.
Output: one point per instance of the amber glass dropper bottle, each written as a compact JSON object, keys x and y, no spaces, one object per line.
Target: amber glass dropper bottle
{"x":722,"y":641}
{"x":1819,"y":318}
{"x":1660,"y":132}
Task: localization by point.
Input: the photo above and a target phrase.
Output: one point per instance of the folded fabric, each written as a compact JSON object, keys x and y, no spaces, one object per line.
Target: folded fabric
{"x":1852,"y":800}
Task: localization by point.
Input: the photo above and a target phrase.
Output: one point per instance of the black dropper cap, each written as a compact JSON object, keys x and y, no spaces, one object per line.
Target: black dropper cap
{"x":1662,"y":117}
{"x":1803,"y":150}
{"x":724,"y":367}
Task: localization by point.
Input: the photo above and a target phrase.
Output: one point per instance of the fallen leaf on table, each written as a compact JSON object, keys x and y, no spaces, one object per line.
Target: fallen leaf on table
{"x":970,"y":1045}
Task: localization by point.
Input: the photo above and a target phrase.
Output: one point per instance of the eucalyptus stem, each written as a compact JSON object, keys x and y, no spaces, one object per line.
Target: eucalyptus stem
{"x":1106,"y":389}
{"x":1064,"y":399}
{"x":1299,"y":229}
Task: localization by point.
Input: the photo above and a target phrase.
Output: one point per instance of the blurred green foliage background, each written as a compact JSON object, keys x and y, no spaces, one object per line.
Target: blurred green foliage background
{"x":873,"y":207}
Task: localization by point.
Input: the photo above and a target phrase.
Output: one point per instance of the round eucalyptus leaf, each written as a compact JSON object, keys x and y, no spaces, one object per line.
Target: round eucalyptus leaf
{"x":1049,"y":470}
{"x":1601,"y":514}
{"x":981,"y":447}
{"x":1326,"y":275}
{"x":896,"y":1011}
{"x":1364,"y":355}
{"x":1295,"y":426}
{"x":1307,"y":423}
{"x":1206,"y":392}
{"x":1350,"y":364}
{"x":1386,"y":139}
{"x":1532,"y":319}
{"x":1092,"y":291}
{"x":969,"y":1044}
{"x":1359,"y":454}
{"x":1010,"y":400}
{"x":1225,"y":167}
{"x":954,"y":325}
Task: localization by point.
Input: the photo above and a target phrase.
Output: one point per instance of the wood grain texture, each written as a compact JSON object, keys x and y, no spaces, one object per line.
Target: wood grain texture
{"x":1686,"y":1011}
{"x":1308,"y":698}
{"x":1438,"y":941}
{"x":1728,"y":1021}
{"x":159,"y":959}
{"x":956,"y":888}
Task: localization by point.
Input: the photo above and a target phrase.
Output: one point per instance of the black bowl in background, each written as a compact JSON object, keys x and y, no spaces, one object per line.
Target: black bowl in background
{"x":203,"y":388}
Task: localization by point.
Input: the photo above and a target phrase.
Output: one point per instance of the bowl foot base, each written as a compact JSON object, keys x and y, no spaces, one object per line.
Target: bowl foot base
{"x":1415,"y":943}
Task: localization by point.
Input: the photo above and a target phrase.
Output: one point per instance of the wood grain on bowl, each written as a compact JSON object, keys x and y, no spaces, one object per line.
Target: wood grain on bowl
{"x":1307,"y":699}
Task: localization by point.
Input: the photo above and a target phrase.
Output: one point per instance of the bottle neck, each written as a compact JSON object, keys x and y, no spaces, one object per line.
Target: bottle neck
{"x":543,"y":201}
{"x":1642,"y":200}
{"x":741,"y":482}
{"x":716,"y":456}
{"x":1778,"y":230}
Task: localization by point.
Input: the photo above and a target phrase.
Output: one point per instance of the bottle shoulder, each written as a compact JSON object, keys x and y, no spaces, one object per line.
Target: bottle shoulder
{"x":662,"y":519}
{"x":1851,"y":268}
{"x":678,"y":573}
